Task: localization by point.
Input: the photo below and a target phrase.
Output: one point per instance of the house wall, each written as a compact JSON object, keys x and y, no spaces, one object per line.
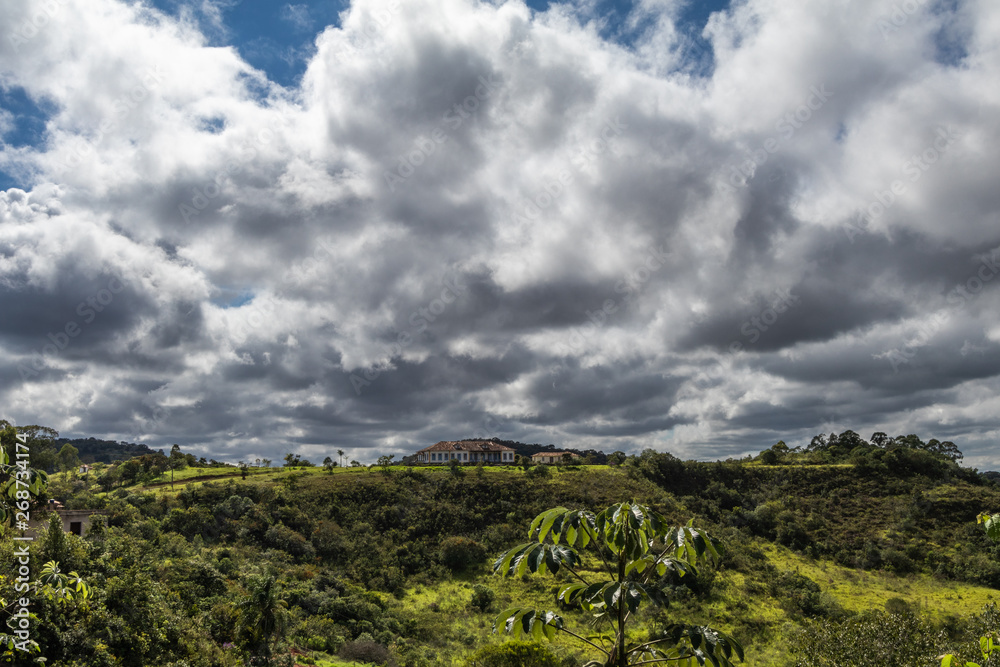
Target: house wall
{"x":445,"y":457}
{"x":76,"y":522}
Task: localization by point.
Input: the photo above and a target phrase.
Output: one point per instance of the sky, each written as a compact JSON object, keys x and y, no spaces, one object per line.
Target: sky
{"x":257,"y":228}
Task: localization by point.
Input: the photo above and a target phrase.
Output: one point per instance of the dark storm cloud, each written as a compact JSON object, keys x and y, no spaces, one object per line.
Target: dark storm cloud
{"x":479,"y":220}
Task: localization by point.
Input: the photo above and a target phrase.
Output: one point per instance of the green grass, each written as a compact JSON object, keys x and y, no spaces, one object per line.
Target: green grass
{"x":858,"y":590}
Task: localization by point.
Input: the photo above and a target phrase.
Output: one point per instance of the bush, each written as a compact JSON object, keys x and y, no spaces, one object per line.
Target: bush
{"x":482,"y":597}
{"x":461,"y":553}
{"x":364,"y":650}
{"x":801,"y":595}
{"x":514,"y":654}
{"x":897,"y":606}
{"x":873,"y":639}
{"x":284,"y":538}
{"x":539,"y":471}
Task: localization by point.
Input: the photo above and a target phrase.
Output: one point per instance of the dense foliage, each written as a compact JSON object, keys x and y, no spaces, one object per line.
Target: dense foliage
{"x":393,"y":563}
{"x":635,"y":550}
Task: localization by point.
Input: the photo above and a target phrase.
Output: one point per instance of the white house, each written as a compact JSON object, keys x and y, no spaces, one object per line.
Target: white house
{"x":552,"y":457}
{"x":468,"y":451}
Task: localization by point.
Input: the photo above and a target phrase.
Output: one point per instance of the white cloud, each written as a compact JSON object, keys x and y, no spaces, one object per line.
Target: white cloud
{"x":459,"y":208}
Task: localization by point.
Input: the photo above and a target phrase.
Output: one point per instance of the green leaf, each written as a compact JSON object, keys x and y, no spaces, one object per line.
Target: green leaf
{"x":992,"y":525}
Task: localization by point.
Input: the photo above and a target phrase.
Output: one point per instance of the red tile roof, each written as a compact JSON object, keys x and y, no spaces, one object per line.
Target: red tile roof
{"x":467,"y":446}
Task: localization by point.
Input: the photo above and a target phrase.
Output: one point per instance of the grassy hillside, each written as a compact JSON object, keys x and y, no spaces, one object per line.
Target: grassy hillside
{"x":397,"y":560}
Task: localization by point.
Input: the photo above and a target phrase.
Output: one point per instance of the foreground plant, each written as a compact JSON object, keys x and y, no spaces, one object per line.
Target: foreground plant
{"x":989,"y":644}
{"x":635,"y":549}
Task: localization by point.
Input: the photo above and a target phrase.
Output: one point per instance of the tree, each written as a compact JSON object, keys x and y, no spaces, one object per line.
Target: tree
{"x":328,"y":464}
{"x":69,"y":458}
{"x":635,"y":550}
{"x":54,"y":586}
{"x":295,"y":461}
{"x":54,"y":545}
{"x":384,"y":462}
{"x":177,"y":460}
{"x":946,"y":449}
{"x":340,"y":453}
{"x":266,"y":463}
{"x":880,"y":439}
{"x":244,"y":469}
{"x":262,"y":618}
{"x":617,"y":458}
{"x":20,"y":484}
{"x":40,"y":442}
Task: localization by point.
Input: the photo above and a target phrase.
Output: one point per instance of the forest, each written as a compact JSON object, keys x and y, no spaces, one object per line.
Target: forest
{"x":842,"y":551}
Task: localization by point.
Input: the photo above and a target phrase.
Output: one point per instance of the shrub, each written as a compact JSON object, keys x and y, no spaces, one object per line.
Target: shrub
{"x":483,"y":597}
{"x":514,"y":654}
{"x":364,"y":650}
{"x":539,"y":471}
{"x":887,"y":639}
{"x":897,"y":606}
{"x":284,"y":538}
{"x":460,"y":553}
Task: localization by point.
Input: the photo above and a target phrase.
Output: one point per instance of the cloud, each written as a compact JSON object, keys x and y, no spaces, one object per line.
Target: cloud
{"x":298,"y":16}
{"x":475,"y":219}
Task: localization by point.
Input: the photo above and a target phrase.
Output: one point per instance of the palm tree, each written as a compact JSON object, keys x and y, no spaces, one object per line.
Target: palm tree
{"x":262,"y":617}
{"x":340,"y":452}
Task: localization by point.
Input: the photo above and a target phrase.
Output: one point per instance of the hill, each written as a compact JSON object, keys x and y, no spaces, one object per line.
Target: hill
{"x":93,"y":450}
{"x":392,"y":564}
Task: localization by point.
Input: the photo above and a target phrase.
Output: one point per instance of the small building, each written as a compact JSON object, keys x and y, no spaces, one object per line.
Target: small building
{"x":466,"y":452}
{"x":552,"y":457}
{"x":76,"y":522}
{"x":84,"y":468}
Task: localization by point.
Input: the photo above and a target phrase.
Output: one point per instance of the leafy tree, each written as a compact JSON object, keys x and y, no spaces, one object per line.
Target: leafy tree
{"x":177,"y":460}
{"x":295,"y":461}
{"x":617,"y":458}
{"x":40,"y":442}
{"x":20,"y":483}
{"x":946,"y":449}
{"x":51,"y":585}
{"x":636,"y":549}
{"x":385,"y":462}
{"x":340,"y":453}
{"x":69,"y":458}
{"x":328,"y":464}
{"x":54,"y":545}
{"x":262,"y":619}
{"x":880,"y":439}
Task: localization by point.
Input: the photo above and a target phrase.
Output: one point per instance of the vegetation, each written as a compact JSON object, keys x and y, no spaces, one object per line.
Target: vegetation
{"x":638,"y":550}
{"x":335,"y":565}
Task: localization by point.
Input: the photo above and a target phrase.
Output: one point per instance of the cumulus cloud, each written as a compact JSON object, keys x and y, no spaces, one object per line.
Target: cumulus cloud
{"x":475,"y":219}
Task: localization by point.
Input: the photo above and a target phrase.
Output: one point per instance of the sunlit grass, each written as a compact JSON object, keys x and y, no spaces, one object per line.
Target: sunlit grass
{"x":858,"y":590}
